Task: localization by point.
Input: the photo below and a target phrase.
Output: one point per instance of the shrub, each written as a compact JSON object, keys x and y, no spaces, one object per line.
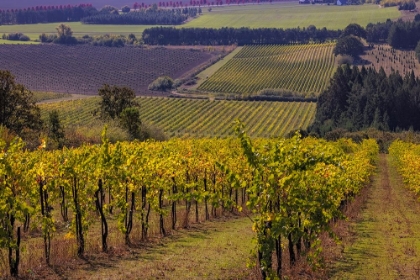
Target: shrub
{"x":344,"y":59}
{"x":163,"y":83}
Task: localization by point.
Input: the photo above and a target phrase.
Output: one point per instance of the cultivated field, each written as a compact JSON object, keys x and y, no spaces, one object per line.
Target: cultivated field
{"x":84,"y":69}
{"x":189,"y":118}
{"x":292,"y":15}
{"x":391,"y":59}
{"x":300,"y":68}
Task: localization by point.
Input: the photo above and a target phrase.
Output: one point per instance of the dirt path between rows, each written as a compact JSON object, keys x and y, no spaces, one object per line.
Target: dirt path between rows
{"x":387,"y":243}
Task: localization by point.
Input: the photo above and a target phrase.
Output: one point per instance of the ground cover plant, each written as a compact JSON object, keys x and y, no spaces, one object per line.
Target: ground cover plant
{"x":84,"y":69}
{"x":300,"y":68}
{"x":191,"y":118}
{"x":383,"y":240}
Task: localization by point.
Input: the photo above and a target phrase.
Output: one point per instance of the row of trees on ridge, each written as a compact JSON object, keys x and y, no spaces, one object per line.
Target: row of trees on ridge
{"x":240,"y":36}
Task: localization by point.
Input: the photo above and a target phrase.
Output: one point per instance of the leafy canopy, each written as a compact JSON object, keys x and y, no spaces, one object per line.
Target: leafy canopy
{"x":114,"y":100}
{"x":349,"y":45}
{"x":18,"y":110}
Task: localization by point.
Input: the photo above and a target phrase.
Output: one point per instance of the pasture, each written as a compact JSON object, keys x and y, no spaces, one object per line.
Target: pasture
{"x":193,"y":118}
{"x":291,"y":15}
{"x":4,"y":5}
{"x":84,"y":69}
{"x":276,"y":15}
{"x":9,"y":42}
{"x":79,"y":29}
{"x":300,"y":68}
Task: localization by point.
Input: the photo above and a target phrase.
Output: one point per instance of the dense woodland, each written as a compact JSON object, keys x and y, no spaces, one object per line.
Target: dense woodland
{"x":399,"y":34}
{"x":240,"y":36}
{"x":358,"y":99}
{"x":88,"y":14}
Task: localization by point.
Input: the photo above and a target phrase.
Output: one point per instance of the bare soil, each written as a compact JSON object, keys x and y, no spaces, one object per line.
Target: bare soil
{"x":383,"y":55}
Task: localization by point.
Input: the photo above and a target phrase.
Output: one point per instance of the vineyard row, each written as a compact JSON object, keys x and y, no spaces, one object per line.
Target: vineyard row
{"x":294,"y":186}
{"x":187,"y":118}
{"x":300,"y":68}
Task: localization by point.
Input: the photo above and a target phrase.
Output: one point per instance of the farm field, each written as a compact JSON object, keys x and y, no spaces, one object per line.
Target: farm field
{"x":84,"y":69}
{"x":276,"y":15}
{"x":291,"y":15}
{"x":391,"y":59}
{"x":79,"y":29}
{"x":203,"y":75}
{"x":192,"y":118}
{"x":96,"y":3}
{"x":9,"y":42}
{"x":300,"y":68}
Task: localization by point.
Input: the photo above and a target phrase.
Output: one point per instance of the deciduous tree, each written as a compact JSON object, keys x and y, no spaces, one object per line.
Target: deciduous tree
{"x":349,"y":45}
{"x":114,"y":100}
{"x":130,"y":120}
{"x":18,"y":110}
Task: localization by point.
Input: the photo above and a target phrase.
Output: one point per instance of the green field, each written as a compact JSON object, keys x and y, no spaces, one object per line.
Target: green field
{"x":300,"y":68}
{"x":291,"y":14}
{"x":278,"y":15}
{"x":79,"y":29}
{"x":9,"y":42}
{"x":190,"y":118}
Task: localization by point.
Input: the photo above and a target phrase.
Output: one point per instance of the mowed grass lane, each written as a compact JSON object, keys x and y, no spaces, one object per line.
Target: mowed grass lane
{"x":386,"y":244}
{"x":214,"y":250}
{"x":276,"y":15}
{"x":300,"y":68}
{"x":191,"y":118}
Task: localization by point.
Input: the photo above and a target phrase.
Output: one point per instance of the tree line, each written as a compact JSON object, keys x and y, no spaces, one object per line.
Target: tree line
{"x":65,"y":36}
{"x":86,"y":13}
{"x":46,"y":14}
{"x":144,"y":16}
{"x":240,"y":36}
{"x":361,"y":98}
{"x":398,"y":34}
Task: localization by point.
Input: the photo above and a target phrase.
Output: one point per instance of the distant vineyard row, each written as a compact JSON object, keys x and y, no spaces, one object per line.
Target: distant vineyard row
{"x":300,"y":68}
{"x":187,"y":118}
{"x":84,"y":69}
